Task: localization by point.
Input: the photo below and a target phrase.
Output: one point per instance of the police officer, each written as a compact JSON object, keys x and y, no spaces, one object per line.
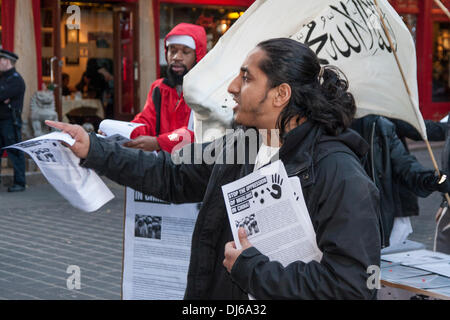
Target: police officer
{"x":12,"y":90}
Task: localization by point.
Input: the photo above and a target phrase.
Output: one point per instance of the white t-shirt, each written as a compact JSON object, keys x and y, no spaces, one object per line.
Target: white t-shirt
{"x":264,"y":155}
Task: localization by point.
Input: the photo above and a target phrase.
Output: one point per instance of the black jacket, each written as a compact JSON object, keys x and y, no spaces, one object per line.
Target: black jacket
{"x":390,"y":165}
{"x":342,"y":201}
{"x":436,"y":131}
{"x":12,"y":87}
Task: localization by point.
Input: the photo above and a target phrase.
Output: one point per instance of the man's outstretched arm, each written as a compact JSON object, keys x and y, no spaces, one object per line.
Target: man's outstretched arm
{"x":147,"y":172}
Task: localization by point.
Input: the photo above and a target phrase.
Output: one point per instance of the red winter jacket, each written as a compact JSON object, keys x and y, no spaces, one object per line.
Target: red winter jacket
{"x":174,"y":112}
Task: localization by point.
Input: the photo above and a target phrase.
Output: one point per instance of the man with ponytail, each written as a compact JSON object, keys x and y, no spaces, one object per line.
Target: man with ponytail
{"x":280,"y":86}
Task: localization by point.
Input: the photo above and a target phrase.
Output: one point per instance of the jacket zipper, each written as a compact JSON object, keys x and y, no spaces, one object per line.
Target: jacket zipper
{"x":371,"y":152}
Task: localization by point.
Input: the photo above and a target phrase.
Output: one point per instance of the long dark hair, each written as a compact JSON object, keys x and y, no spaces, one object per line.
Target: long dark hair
{"x":320,"y":96}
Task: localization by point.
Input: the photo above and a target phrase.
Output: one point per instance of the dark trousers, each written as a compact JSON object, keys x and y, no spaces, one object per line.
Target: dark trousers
{"x":10,"y":134}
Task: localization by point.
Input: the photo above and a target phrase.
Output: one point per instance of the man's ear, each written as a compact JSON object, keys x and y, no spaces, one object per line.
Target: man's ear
{"x":282,"y":95}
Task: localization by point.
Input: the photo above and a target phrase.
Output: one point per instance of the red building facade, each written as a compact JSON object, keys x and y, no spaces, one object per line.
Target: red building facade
{"x":429,"y":25}
{"x":430,"y":28}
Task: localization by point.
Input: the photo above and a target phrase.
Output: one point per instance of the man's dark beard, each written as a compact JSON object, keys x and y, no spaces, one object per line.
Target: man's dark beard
{"x":236,"y":126}
{"x":176,"y":79}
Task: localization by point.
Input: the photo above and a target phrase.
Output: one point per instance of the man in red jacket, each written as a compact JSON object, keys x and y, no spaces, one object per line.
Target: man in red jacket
{"x":167,"y":118}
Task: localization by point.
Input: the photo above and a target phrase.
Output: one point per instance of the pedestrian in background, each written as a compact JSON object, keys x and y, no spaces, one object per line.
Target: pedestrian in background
{"x":392,"y":167}
{"x":12,"y":91}
{"x":166,"y":117}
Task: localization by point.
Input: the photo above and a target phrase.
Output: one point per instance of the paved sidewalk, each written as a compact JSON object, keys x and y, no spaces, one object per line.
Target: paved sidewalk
{"x":41,"y":235}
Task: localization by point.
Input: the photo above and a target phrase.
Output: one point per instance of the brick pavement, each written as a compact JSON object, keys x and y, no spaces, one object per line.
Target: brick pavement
{"x":41,"y":234}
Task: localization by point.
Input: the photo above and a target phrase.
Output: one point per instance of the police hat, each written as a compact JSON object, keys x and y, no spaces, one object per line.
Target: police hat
{"x":8,"y":55}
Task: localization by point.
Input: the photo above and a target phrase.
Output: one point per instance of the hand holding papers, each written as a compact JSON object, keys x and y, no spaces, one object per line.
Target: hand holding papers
{"x":118,"y":131}
{"x":82,"y":187}
{"x":80,"y":145}
{"x":274,"y":215}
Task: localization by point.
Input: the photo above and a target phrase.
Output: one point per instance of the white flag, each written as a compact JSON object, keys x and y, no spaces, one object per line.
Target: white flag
{"x":347,"y":34}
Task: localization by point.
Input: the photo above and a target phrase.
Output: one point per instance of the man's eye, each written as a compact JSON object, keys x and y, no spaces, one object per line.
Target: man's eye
{"x":244,"y":78}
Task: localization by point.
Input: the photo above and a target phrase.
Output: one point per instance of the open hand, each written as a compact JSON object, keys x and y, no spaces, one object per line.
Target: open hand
{"x":81,"y":146}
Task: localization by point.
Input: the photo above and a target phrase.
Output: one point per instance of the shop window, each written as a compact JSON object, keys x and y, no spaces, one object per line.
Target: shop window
{"x":47,"y":40}
{"x":441,"y":66}
{"x":216,"y":21}
{"x":88,"y":61}
{"x":88,"y":49}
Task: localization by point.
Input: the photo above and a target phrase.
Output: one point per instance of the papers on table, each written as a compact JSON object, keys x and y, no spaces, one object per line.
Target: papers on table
{"x":271,"y":208}
{"x":430,"y":281}
{"x":157,"y":247}
{"x":117,"y":131}
{"x":442,"y":268}
{"x":406,"y":245}
{"x":445,"y":119}
{"x":82,"y":187}
{"x":400,"y":272}
{"x":444,"y":291}
{"x":423,"y":269}
{"x":416,"y":257}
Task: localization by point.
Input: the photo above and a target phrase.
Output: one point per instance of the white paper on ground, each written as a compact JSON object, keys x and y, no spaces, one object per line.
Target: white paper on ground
{"x":82,"y":187}
{"x":156,"y":263}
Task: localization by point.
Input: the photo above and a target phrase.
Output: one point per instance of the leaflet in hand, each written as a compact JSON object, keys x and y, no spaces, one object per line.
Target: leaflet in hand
{"x":271,"y":208}
{"x":82,"y":187}
{"x":118,"y":131}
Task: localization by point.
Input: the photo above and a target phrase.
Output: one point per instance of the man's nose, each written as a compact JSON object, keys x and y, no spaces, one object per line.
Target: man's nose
{"x":233,"y":88}
{"x":178,"y":56}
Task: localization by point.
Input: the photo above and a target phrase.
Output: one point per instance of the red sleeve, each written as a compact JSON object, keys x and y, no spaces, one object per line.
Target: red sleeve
{"x":147,"y":117}
{"x":176,"y":139}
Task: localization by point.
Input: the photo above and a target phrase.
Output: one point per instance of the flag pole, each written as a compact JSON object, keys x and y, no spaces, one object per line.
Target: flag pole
{"x":430,"y":151}
{"x":443,"y":8}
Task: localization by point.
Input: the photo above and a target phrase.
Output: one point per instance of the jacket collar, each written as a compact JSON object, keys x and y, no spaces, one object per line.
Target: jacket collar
{"x":169,"y":82}
{"x":297,"y":152}
{"x":9,"y":72}
{"x":301,"y":149}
